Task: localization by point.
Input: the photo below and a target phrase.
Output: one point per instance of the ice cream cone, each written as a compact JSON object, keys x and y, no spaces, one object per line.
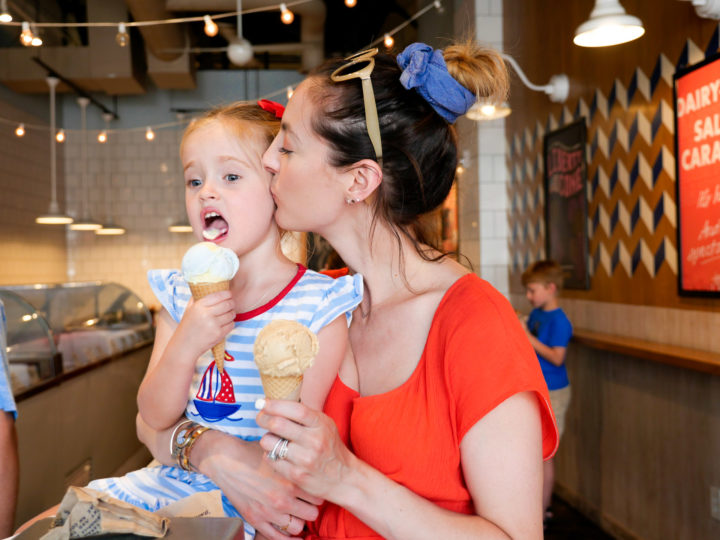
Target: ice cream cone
{"x":282,"y":387}
{"x":201,"y":290}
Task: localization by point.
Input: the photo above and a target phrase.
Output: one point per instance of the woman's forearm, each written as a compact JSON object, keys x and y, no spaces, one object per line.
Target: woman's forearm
{"x":396,"y":513}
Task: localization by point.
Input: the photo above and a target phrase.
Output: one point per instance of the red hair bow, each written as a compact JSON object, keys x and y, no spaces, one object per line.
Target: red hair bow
{"x":271,"y":106}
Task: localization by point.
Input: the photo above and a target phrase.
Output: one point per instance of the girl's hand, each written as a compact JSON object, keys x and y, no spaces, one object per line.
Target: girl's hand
{"x":265,"y":499}
{"x":317,"y":460}
{"x":207,"y":321}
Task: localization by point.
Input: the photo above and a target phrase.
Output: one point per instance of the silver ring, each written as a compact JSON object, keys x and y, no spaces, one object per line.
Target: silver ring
{"x":282,"y":453}
{"x":273,"y":455}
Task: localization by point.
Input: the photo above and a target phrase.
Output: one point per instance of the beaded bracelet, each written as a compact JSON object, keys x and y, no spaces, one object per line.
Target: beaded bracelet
{"x":184,"y":439}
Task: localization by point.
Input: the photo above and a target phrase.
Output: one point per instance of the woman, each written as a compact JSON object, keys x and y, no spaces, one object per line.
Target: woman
{"x":442,"y":414}
{"x":439,"y":419}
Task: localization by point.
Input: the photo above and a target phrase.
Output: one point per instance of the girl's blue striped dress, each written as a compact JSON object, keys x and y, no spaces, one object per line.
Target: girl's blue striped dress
{"x":227,"y":401}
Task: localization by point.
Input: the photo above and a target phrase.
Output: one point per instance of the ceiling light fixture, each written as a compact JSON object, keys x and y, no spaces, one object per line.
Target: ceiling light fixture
{"x":608,"y":25}
{"x":20,"y":130}
{"x":180,"y":227}
{"x":483,"y":110}
{"x":85,"y":223}
{"x":103,"y":135}
{"x":4,"y":13}
{"x":286,"y":16}
{"x":708,"y":9}
{"x":350,"y":3}
{"x":239,"y":51}
{"x":110,"y":229}
{"x":557,"y":89}
{"x":122,"y":38}
{"x":54,"y":216}
{"x":26,"y":35}
{"x":211,"y":29}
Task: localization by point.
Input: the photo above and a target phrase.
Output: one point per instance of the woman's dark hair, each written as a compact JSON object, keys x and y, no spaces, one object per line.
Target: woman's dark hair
{"x":419,"y":147}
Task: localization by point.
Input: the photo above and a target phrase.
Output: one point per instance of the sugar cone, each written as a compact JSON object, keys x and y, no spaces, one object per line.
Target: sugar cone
{"x":282,"y":387}
{"x":201,"y":290}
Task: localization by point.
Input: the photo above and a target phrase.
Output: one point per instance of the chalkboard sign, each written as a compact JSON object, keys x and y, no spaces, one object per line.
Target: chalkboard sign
{"x":697,"y":151}
{"x":566,"y":238}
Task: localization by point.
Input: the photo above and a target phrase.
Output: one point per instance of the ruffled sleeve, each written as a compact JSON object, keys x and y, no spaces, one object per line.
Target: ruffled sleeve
{"x":342,"y":295}
{"x":171,"y":290}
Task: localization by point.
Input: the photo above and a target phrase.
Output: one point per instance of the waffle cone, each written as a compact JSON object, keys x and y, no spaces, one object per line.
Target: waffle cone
{"x":282,"y":387}
{"x":201,"y":290}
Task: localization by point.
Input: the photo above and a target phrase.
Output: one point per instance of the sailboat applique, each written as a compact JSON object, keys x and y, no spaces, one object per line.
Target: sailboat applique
{"x":215,"y":398}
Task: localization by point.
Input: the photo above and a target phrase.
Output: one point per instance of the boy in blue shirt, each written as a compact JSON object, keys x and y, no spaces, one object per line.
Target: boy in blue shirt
{"x":549,"y":332}
{"x":8,"y":439}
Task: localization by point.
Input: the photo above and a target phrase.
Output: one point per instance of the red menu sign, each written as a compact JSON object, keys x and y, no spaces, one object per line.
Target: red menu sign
{"x":697,"y":142}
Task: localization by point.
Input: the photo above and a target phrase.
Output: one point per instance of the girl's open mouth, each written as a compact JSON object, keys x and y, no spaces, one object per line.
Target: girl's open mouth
{"x":215,"y":226}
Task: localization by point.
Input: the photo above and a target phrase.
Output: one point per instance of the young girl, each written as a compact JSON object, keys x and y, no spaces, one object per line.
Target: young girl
{"x":228,"y":202}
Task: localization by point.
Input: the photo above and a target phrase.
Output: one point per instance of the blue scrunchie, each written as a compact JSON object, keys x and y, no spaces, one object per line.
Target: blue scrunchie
{"x":426,"y":71}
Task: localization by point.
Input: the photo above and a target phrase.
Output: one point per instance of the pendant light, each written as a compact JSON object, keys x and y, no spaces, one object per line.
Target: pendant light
{"x":54,"y":216}
{"x":85,"y":223}
{"x":109,"y":228}
{"x":608,"y":25}
{"x":239,"y":51}
{"x":483,"y":111}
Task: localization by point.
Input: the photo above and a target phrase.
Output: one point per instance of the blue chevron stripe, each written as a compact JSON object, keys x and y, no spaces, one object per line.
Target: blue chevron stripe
{"x":514,"y":232}
{"x":714,"y":43}
{"x":612,"y":97}
{"x":536,"y":166}
{"x":634,"y":173}
{"x":596,"y":218}
{"x":633,"y":131}
{"x":525,"y":231}
{"x":658,"y":212}
{"x":684,"y":56}
{"x":512,"y":147}
{"x":632,"y":87}
{"x":595,"y":182}
{"x":593,"y":146}
{"x":614,"y":219}
{"x":524,"y":201}
{"x":657,"y":121}
{"x":659,"y":256}
{"x":615,"y":258}
{"x":576,"y":114}
{"x":635,"y":215}
{"x":636,"y":258}
{"x":593,"y":107}
{"x":657,"y":167}
{"x":613,"y":179}
{"x":537,"y":229}
{"x":655,"y":77}
{"x":612,"y":139}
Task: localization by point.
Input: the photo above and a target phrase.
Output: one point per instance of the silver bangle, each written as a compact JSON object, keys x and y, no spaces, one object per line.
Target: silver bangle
{"x":173,"y":437}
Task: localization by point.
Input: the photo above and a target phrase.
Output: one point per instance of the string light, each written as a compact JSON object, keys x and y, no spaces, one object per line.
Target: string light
{"x":122,"y":38}
{"x":102,"y":137}
{"x":289,"y":92}
{"x":20,"y":130}
{"x":60,"y":136}
{"x":350,"y":3}
{"x":149,"y":134}
{"x":286,"y":15}
{"x":36,"y":40}
{"x":389,"y":41}
{"x":4,"y":13}
{"x":211,"y":29}
{"x":26,"y":36}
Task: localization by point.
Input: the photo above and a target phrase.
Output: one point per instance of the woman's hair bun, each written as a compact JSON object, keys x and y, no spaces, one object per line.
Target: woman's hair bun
{"x":479,"y":69}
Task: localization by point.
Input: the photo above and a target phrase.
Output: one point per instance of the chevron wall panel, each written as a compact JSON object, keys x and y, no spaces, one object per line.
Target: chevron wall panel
{"x":631,"y":181}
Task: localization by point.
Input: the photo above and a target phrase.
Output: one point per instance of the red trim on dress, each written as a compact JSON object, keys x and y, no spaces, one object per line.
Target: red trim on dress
{"x":262,"y":309}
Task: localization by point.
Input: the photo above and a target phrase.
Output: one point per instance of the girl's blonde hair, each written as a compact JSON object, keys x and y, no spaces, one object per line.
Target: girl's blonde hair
{"x":246,"y":119}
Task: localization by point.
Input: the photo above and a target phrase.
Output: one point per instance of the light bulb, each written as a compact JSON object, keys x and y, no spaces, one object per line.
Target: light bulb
{"x":149,"y":134}
{"x":36,"y":40}
{"x":122,"y":38}
{"x":389,"y":41}
{"x":240,"y":51}
{"x":60,"y":136}
{"x":102,"y":137}
{"x":26,"y":36}
{"x":488,"y":109}
{"x":350,"y":3}
{"x":289,"y":92}
{"x":286,"y":15}
{"x":20,"y":130}
{"x":4,"y":14}
{"x":211,"y":29}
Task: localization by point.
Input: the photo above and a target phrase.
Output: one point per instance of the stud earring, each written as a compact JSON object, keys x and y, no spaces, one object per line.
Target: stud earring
{"x":350,"y":201}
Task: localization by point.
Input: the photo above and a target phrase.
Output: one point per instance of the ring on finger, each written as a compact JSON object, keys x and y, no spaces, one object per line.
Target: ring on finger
{"x":286,"y":527}
{"x":274,"y":453}
{"x":282,"y":453}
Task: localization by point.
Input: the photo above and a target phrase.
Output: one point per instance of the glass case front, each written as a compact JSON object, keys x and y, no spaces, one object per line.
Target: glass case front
{"x":58,"y":328}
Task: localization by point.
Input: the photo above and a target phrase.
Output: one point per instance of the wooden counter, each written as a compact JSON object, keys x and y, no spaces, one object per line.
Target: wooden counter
{"x":706,"y":361}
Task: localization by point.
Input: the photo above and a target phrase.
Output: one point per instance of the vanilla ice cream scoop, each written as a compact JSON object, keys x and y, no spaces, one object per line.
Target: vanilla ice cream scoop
{"x":206,"y":262}
{"x":285,"y":348}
